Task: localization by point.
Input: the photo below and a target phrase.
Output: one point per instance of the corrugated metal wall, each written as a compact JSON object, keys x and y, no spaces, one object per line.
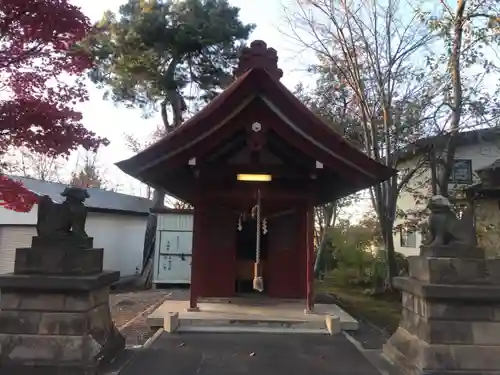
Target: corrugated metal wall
{"x":175,"y":222}
{"x":11,"y":238}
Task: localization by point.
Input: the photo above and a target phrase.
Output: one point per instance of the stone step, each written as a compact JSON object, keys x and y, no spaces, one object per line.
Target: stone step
{"x":248,"y":329}
{"x":174,"y":323}
{"x":278,"y":323}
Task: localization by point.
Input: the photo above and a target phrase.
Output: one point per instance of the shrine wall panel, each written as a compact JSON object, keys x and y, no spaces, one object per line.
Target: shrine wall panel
{"x":287,"y":276}
{"x":216,"y":251}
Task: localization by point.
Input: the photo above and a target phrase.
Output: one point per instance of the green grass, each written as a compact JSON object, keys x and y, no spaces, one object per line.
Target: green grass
{"x":384,"y":311}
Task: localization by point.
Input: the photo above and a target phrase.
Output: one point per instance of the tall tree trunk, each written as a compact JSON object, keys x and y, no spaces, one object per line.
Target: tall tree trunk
{"x":158,"y":199}
{"x":174,"y":98}
{"x":386,"y":227}
{"x":391,"y":258}
{"x":454,"y":67}
{"x":176,"y":102}
{"x":433,"y":167}
{"x":159,"y":196}
{"x":330,"y":215}
{"x":178,"y":107}
{"x":384,"y":198}
{"x":164,"y":115}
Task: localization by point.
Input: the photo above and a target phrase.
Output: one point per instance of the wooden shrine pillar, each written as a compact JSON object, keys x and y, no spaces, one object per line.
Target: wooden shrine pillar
{"x":310,"y":256}
{"x":194,"y":290}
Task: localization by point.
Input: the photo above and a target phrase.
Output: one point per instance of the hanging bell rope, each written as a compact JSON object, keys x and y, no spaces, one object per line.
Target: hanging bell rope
{"x":258,"y":281}
{"x":240,"y":223}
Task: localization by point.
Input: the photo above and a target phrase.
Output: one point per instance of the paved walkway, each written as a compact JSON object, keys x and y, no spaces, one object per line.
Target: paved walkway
{"x":250,"y":354}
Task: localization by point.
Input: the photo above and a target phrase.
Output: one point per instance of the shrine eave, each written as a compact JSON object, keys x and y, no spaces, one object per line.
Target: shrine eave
{"x":329,"y":147}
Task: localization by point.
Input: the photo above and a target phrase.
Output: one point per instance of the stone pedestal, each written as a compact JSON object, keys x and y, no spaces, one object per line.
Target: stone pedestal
{"x":54,"y":312}
{"x":451,"y":316}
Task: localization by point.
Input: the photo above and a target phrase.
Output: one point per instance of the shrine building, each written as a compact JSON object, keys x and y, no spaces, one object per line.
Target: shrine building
{"x":254,"y":163}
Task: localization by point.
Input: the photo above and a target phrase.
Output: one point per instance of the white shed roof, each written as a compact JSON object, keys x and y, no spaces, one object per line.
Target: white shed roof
{"x":99,"y":199}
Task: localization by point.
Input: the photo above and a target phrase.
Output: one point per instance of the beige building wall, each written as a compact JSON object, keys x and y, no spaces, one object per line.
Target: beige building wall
{"x":481,"y":154}
{"x":487,"y":212}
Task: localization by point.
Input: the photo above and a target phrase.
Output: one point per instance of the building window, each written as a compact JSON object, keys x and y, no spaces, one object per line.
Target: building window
{"x":461,"y":172}
{"x":407,"y":238}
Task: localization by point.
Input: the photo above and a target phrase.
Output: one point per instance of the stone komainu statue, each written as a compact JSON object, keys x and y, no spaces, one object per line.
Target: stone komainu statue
{"x":63,"y":219}
{"x":445,"y":228}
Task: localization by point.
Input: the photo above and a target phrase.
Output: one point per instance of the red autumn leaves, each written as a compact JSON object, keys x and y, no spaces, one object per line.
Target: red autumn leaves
{"x":41,"y":70}
{"x":14,"y":196}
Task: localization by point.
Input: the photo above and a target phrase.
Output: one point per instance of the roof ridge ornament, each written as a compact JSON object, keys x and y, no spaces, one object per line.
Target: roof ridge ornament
{"x":259,"y":56}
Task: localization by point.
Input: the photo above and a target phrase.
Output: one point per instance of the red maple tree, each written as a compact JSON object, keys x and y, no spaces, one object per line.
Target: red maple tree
{"x":41,"y":72}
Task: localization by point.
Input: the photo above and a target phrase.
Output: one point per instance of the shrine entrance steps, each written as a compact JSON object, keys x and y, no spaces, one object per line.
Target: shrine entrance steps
{"x":251,"y":316}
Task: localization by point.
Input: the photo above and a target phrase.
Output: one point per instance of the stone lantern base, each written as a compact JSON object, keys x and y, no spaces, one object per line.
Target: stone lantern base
{"x":450,"y":321}
{"x":54,"y":313}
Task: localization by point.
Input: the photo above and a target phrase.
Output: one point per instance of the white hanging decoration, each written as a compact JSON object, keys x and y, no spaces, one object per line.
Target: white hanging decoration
{"x":240,"y":225}
{"x":264,"y":226}
{"x":254,"y":212}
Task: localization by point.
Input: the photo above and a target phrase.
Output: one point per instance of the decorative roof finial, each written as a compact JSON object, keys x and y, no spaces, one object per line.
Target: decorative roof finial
{"x":259,"y":56}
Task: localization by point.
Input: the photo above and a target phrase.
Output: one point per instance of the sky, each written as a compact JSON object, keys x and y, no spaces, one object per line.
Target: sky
{"x":108,"y":120}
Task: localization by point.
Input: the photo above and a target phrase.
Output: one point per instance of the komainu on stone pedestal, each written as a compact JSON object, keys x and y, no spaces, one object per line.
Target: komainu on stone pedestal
{"x":54,"y":310}
{"x":451,"y":303}
{"x":65,"y":219}
{"x":445,"y":228}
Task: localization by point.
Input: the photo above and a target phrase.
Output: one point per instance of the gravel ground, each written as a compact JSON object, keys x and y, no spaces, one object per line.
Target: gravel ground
{"x":368,"y":335}
{"x":126,"y":309}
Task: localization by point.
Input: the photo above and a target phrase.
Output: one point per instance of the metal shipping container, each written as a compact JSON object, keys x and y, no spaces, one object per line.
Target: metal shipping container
{"x":173,"y":247}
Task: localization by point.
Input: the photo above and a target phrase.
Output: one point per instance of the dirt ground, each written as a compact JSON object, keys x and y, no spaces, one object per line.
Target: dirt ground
{"x":130,"y":310}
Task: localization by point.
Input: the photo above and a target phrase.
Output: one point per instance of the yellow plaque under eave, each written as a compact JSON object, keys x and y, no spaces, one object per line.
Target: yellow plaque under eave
{"x":254,"y":177}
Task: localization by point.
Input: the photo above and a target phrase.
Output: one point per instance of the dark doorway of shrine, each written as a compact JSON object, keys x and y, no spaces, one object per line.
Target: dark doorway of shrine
{"x":246,"y":255}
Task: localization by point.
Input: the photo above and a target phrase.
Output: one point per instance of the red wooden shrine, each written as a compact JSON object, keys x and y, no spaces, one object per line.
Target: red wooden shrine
{"x":259,"y":128}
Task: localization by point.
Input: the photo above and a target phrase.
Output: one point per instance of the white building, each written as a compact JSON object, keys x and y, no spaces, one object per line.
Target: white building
{"x":476,"y":149}
{"x":116,"y":221}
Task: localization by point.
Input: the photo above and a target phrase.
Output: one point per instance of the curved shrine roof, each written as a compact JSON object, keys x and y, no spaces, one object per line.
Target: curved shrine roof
{"x":298,"y":126}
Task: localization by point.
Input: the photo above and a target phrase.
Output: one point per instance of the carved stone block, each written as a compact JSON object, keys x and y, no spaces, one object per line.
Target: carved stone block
{"x":452,"y":309}
{"x":63,"y":323}
{"x":454,"y":270}
{"x":58,"y":261}
{"x":416,"y":356}
{"x":455,"y":251}
{"x":60,"y":283}
{"x":64,"y":242}
{"x":450,"y":320}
